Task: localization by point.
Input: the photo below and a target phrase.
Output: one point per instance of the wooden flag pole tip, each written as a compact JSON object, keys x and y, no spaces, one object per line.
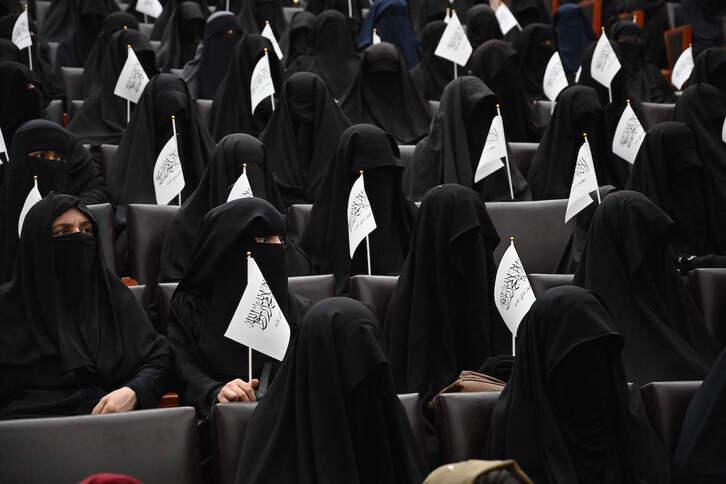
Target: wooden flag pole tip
{"x":173,"y":117}
{"x":511,"y":238}
{"x":361,"y":173}
{"x":35,"y":177}
{"x":267,"y":22}
{"x":498,"y":106}
{"x":126,"y":27}
{"x":265,"y":50}
{"x":628,"y":101}
{"x":244,"y":165}
{"x":585,"y":136}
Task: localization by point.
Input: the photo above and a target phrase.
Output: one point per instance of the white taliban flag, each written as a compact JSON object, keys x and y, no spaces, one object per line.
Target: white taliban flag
{"x":629,"y":135}
{"x":258,"y":322}
{"x":360,"y":215}
{"x":132,"y":80}
{"x":269,"y":34}
{"x":261,"y":85}
{"x":168,"y":173}
{"x":376,"y":38}
{"x":512,"y":293}
{"x":555,"y":79}
{"x":584,"y":181}
{"x":723,"y":131}
{"x":21,"y":32}
{"x":505,"y":17}
{"x":454,"y":44}
{"x":152,"y":8}
{"x":605,"y":63}
{"x":495,"y":148}
{"x":682,"y":68}
{"x":3,"y":148}
{"x":577,"y":74}
{"x":241,"y":188}
{"x":32,"y":198}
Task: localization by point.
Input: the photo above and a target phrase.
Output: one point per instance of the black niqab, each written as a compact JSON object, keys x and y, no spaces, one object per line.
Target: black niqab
{"x":433,"y":73}
{"x":710,"y":67}
{"x":534,"y":46}
{"x":297,"y":38}
{"x":572,"y":36}
{"x":181,"y":36}
{"x":482,"y":25}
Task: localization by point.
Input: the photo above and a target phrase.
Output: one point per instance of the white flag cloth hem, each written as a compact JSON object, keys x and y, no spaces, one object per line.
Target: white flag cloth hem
{"x":555,"y":79}
{"x":584,"y":181}
{"x":30,"y":200}
{"x":605,"y":63}
{"x":361,"y":221}
{"x":454,"y":44}
{"x":21,"y":32}
{"x":682,"y":68}
{"x":513,"y":294}
{"x":168,"y":174}
{"x":506,"y":19}
{"x":269,"y":34}
{"x":261,"y":85}
{"x":495,"y":148}
{"x":152,"y":8}
{"x":629,"y":135}
{"x":3,"y":147}
{"x":241,"y":188}
{"x":133,"y":79}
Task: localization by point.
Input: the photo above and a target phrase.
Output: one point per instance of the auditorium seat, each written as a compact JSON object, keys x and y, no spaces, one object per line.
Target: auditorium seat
{"x":542,"y":112}
{"x":375,"y":292}
{"x":108,"y":153}
{"x":521,"y":155}
{"x":666,"y":404}
{"x":151,"y":445}
{"x":315,"y":288}
{"x":406,"y":154}
{"x":156,"y":45}
{"x":539,"y":230}
{"x":676,"y":41}
{"x":72,"y":82}
{"x":656,"y":113}
{"x":541,"y":282}
{"x":708,"y":287}
{"x":462,"y":421}
{"x":54,"y":111}
{"x":204,"y":108}
{"x":75,"y":107}
{"x":434,"y":108}
{"x":146,"y":229}
{"x":230,"y":421}
{"x":146,"y":28}
{"x":52,"y":53}
{"x":103,"y":213}
{"x":297,"y":220}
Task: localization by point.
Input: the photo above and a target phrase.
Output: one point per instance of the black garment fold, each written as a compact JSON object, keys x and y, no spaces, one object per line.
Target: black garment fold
{"x":534,"y":46}
{"x":169,"y":7}
{"x":433,"y":73}
{"x":710,"y":67}
{"x":182,"y":34}
{"x":481,"y":25}
{"x":297,"y":38}
{"x":22,"y":98}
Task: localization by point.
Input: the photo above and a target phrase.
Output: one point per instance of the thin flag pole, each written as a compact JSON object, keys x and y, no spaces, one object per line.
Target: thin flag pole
{"x":173,"y":128}
{"x":456,"y":74}
{"x":506,"y":159}
{"x":128,"y":103}
{"x":272,"y":96}
{"x":30,"y":47}
{"x":350,"y":8}
{"x":228,"y":5}
{"x":249,"y":349}
{"x":599,"y":200}
{"x":368,"y":245}
{"x":146,"y":19}
{"x":514,"y":336}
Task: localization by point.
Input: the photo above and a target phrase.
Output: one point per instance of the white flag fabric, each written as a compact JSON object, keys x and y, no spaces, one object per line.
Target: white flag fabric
{"x":629,"y":135}
{"x":555,"y":79}
{"x":152,"y":8}
{"x":258,"y":322}
{"x":723,"y":131}
{"x":241,"y":188}
{"x":32,"y":198}
{"x":584,"y":181}
{"x":512,"y":293}
{"x":132,"y":80}
{"x":269,"y":34}
{"x":3,"y":148}
{"x":682,"y":68}
{"x":360,"y":215}
{"x":454,"y":44}
{"x":376,"y":38}
{"x":605,"y":63}
{"x":505,"y":17}
{"x":168,"y":173}
{"x":261,"y":85}
{"x":577,"y":74}
{"x":447,"y":17}
{"x":21,"y":32}
{"x":495,"y":148}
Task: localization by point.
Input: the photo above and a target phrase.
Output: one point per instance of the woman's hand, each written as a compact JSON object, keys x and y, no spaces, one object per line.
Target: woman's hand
{"x":121,"y":400}
{"x":238,"y":391}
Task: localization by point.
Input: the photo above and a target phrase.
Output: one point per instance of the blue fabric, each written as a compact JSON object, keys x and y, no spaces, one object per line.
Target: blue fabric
{"x":573,"y":34}
{"x":393,"y":24}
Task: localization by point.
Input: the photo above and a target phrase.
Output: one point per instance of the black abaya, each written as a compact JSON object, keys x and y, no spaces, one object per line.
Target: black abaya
{"x":297,"y":39}
{"x":181,"y":36}
{"x":433,"y":73}
{"x":22,"y":98}
{"x":72,"y":332}
{"x":482,"y":25}
{"x":710,"y":67}
{"x":169,"y":7}
{"x":534,"y":46}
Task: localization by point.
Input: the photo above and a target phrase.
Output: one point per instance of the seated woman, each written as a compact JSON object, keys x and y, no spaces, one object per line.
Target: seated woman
{"x":565,"y":415}
{"x":74,"y":340}
{"x":332,"y":414}
{"x":439,"y":322}
{"x":209,"y":367}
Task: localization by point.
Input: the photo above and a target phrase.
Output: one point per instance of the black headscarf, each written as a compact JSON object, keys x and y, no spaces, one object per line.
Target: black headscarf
{"x":255,"y":13}
{"x":529,"y":12}
{"x":231,"y":109}
{"x":433,"y":73}
{"x":565,"y":415}
{"x":325,"y":240}
{"x":169,"y":7}
{"x":333,"y":56}
{"x":102,"y":118}
{"x":310,"y":123}
{"x":451,"y":151}
{"x":384,"y":94}
{"x":130,"y":179}
{"x":495,"y":62}
{"x":72,"y":332}
{"x":710,"y":67}
{"x":577,"y":111}
{"x":442,"y":318}
{"x":18,"y":101}
{"x":76,"y":174}
{"x":703,"y":108}
{"x":181,"y":36}
{"x":670,"y":172}
{"x":213,"y":190}
{"x":534,"y":46}
{"x":297,"y":39}
{"x":629,"y":264}
{"x":482,"y":25}
{"x":332,"y":414}
{"x":698,"y":458}
{"x":572,"y":36}
{"x":209,"y":292}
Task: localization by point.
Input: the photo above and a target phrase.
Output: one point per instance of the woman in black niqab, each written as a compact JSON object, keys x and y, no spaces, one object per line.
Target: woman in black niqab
{"x":325,"y":240}
{"x":232,"y":108}
{"x":213,"y":190}
{"x":383,"y":94}
{"x":628,"y":262}
{"x":72,"y":332}
{"x":22,"y":98}
{"x":566,"y":415}
{"x":181,"y":36}
{"x":317,"y":7}
{"x":210,"y":291}
{"x":710,"y":67}
{"x":433,"y":73}
{"x":333,"y":396}
{"x":442,"y":318}
{"x":102,"y":119}
{"x":534,"y":46}
{"x":426,"y":11}
{"x":169,"y":7}
{"x":451,"y":151}
{"x":71,"y":170}
{"x":310,"y":123}
{"x":333,"y":57}
{"x":481,"y":25}
{"x":255,"y":13}
{"x":296,"y":41}
{"x":572,"y":36}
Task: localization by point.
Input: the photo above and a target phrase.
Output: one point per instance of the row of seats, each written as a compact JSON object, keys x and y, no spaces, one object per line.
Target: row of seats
{"x":163,"y":445}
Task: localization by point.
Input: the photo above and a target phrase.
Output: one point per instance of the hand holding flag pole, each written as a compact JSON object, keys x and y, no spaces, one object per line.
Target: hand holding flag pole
{"x":506,"y":159}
